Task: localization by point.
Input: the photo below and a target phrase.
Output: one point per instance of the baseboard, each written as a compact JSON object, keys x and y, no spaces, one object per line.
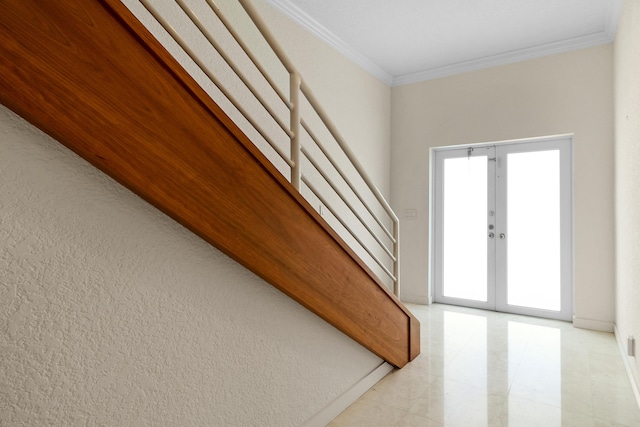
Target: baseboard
{"x":415,"y":299}
{"x":631,"y":372}
{"x":594,"y":325}
{"x":334,"y":408}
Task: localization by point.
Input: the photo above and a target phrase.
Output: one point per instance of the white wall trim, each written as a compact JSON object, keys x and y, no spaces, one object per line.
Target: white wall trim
{"x":415,"y":298}
{"x":630,"y":368}
{"x":594,"y":325}
{"x":615,"y":9}
{"x":343,"y":401}
{"x":595,"y":39}
{"x":501,"y":142}
{"x":314,"y":27}
{"x":505,"y":58}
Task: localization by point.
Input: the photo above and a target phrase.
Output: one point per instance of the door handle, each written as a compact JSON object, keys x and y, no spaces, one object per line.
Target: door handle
{"x":491,"y":235}
{"x":501,"y":235}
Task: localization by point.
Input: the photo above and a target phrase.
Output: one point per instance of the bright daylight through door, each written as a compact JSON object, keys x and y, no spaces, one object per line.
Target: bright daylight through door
{"x":465,"y":246}
{"x":533,"y":256}
{"x":502,"y":227}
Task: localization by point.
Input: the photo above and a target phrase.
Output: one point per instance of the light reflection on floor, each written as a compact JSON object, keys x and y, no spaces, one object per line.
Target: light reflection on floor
{"x":485,"y":369}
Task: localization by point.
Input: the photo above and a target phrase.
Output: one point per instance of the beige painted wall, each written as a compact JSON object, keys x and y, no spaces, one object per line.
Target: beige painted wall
{"x":565,"y":93}
{"x":358,"y":103}
{"x":627,"y":161}
{"x":360,"y":107}
{"x":112,"y":314}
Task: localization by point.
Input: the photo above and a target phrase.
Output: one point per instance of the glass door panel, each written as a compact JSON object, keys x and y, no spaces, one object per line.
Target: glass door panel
{"x":503,"y":227}
{"x":465,"y":232}
{"x":534,"y":255}
{"x":464,"y":222}
{"x":533,"y":224}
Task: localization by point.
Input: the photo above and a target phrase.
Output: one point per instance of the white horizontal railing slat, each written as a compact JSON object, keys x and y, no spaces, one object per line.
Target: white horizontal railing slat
{"x":379,"y":251}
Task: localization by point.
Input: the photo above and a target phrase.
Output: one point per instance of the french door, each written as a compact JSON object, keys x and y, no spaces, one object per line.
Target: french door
{"x":503,"y":227}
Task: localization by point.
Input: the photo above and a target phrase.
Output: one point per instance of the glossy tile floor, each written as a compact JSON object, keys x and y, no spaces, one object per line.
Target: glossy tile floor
{"x":480,"y":368}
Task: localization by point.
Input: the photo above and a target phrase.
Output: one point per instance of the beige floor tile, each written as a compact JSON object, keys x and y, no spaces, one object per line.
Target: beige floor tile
{"x":486,"y":369}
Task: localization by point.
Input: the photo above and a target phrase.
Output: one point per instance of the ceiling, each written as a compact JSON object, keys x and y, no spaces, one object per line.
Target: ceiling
{"x":406,"y":41}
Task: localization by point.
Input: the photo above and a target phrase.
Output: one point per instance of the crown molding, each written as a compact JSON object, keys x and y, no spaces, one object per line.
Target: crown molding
{"x":504,"y":58}
{"x":606,"y":36}
{"x":611,"y":26}
{"x":313,"y":26}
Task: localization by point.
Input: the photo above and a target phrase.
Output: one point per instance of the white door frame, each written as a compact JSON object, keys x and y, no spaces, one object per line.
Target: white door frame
{"x":461,"y":153}
{"x":566,"y":192}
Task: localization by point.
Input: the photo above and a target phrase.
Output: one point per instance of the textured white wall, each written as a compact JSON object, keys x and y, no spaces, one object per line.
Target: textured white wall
{"x":565,"y":93}
{"x":112,"y":314}
{"x":627,"y":130}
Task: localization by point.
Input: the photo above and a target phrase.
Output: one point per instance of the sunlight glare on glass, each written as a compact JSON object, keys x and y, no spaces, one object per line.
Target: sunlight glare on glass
{"x":533,"y":215}
{"x":465,"y":223}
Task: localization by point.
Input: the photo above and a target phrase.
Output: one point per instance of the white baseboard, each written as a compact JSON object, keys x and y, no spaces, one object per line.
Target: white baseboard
{"x":630,"y":368}
{"x":415,"y":299}
{"x":594,"y":325}
{"x":343,"y":401}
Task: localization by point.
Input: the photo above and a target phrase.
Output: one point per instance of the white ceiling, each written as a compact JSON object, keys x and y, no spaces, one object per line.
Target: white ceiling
{"x":405,"y":41}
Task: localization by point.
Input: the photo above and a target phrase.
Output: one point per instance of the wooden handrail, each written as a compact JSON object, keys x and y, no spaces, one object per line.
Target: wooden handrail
{"x":90,"y":75}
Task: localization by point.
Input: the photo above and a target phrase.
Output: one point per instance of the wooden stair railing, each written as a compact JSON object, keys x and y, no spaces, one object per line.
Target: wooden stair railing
{"x":91,"y":76}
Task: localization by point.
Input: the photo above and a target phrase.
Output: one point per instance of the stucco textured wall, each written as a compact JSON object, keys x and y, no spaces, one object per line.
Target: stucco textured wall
{"x":113,"y":314}
{"x":565,"y":93}
{"x":627,"y":125}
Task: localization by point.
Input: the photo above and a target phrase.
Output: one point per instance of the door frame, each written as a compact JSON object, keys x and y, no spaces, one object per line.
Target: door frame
{"x":568,"y":275}
{"x":488,"y":151}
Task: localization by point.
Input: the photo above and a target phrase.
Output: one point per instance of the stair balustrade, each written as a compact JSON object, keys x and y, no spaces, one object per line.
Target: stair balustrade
{"x":291,"y":129}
